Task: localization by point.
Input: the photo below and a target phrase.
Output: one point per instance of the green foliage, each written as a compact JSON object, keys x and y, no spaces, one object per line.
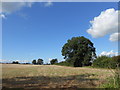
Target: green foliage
{"x":54,"y":61}
{"x":108,"y":84}
{"x":113,"y":82}
{"x":15,"y":62}
{"x":101,"y":61}
{"x":117,"y":78}
{"x":40,"y":61}
{"x":34,"y":62}
{"x":79,"y":51}
{"x":111,"y":63}
{"x":64,"y":63}
{"x":106,"y":62}
{"x":117,"y":60}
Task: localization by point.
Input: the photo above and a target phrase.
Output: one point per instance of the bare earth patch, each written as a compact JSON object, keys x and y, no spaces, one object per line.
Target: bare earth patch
{"x":52,"y":76}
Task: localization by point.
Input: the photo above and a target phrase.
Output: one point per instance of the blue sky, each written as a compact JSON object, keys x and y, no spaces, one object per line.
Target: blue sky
{"x":40,"y":31}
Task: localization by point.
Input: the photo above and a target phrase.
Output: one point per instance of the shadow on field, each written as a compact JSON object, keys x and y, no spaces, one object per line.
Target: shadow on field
{"x":74,"y":81}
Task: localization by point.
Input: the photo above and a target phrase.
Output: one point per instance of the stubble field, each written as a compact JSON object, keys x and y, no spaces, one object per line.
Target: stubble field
{"x":52,"y":76}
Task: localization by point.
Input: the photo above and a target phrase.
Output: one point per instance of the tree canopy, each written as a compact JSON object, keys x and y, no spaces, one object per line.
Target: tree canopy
{"x":40,"y":61}
{"x":34,"y":62}
{"x":79,"y":51}
{"x":15,"y":62}
{"x":53,"y":61}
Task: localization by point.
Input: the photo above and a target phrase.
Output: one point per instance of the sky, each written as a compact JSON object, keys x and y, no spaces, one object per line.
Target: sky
{"x":39,"y":30}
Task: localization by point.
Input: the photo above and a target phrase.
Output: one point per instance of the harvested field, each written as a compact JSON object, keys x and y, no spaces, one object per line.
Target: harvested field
{"x":52,"y":76}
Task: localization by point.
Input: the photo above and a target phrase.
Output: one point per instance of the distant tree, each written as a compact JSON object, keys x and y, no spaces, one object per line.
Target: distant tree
{"x":54,"y":61}
{"x":34,"y":62}
{"x":40,"y":61}
{"x":15,"y":62}
{"x":79,"y":51}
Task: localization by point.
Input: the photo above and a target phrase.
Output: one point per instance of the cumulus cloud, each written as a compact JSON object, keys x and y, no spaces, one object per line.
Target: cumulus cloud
{"x":48,"y":4}
{"x":2,"y":16}
{"x":9,"y":7}
{"x":49,"y":59}
{"x":114,"y":37}
{"x":111,"y":53}
{"x":105,"y":23}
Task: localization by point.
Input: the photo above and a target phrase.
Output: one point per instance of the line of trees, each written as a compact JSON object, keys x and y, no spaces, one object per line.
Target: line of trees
{"x":15,"y":62}
{"x":38,"y":62}
{"x":78,"y":52}
{"x":107,"y":62}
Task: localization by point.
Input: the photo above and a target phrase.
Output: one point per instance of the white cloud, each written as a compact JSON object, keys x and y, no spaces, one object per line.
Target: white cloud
{"x":111,"y":53}
{"x":114,"y":37}
{"x":2,"y":16}
{"x":49,"y":60}
{"x":48,"y":4}
{"x":9,"y":7}
{"x":105,"y":23}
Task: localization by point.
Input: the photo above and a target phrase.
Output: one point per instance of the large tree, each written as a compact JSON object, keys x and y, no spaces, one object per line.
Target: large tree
{"x":79,"y":51}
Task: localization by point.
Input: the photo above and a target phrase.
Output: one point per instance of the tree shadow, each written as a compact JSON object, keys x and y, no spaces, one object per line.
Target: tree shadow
{"x":73,"y":81}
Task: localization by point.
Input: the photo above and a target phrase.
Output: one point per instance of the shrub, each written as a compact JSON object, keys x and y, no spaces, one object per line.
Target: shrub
{"x":101,"y":61}
{"x":107,"y":62}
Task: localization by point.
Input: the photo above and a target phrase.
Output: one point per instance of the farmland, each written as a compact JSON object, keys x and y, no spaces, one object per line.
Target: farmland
{"x":52,"y":76}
